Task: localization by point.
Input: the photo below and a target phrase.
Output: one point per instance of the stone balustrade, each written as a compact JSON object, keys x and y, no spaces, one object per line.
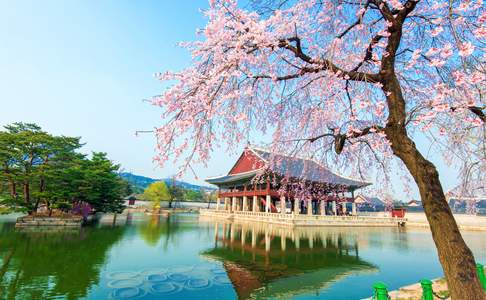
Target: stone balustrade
{"x":303,"y":219}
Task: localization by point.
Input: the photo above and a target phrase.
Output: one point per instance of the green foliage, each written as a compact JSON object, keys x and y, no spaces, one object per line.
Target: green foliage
{"x":193,"y":195}
{"x":37,"y":168}
{"x":157,"y":192}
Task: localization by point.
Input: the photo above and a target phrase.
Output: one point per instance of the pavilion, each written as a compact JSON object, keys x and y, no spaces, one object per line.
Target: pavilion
{"x":261,"y":181}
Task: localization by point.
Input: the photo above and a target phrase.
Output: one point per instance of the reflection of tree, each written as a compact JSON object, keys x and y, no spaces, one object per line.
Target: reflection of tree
{"x":152,"y":231}
{"x":39,"y":265}
{"x":168,"y":227}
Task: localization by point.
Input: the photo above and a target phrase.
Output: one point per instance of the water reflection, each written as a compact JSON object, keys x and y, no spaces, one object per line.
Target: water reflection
{"x":268,"y":261}
{"x":163,"y":229}
{"x":39,"y":264}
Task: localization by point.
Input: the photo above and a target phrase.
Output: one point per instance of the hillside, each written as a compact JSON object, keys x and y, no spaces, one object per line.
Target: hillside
{"x":141,"y":182}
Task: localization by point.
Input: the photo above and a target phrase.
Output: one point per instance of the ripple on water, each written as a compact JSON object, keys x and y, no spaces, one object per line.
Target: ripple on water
{"x":178,"y":277}
{"x":165,"y":288}
{"x":218,"y":271}
{"x":128,"y":293}
{"x":182,"y":269}
{"x":121,"y":275}
{"x":198,"y":284}
{"x":221,"y":279}
{"x":156,"y":277}
{"x":125,"y":283}
{"x":147,"y":272}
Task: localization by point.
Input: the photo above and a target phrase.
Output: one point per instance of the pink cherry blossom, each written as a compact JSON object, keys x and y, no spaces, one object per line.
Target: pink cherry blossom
{"x":466,"y":49}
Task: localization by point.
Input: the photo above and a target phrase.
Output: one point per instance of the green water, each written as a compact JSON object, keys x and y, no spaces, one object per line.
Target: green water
{"x":182,"y":257}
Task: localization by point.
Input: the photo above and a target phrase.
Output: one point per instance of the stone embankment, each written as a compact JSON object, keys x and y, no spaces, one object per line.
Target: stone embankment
{"x":27,"y":221}
{"x":465,"y":222}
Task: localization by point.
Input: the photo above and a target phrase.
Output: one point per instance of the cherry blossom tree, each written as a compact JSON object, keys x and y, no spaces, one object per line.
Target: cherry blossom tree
{"x":351,"y":82}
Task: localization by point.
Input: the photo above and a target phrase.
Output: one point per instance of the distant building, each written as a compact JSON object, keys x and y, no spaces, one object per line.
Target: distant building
{"x":468,"y":198}
{"x":414,"y":203}
{"x":365,"y":203}
{"x":414,"y":206}
{"x":131,"y":200}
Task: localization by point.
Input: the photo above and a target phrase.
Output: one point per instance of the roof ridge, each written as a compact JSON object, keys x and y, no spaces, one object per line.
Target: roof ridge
{"x":247,"y":172}
{"x":308,"y":159}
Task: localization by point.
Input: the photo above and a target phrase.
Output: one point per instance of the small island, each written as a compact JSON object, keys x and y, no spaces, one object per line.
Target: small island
{"x":47,"y":177}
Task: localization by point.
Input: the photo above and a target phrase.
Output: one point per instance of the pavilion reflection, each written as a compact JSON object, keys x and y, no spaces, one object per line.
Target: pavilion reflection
{"x":268,"y":261}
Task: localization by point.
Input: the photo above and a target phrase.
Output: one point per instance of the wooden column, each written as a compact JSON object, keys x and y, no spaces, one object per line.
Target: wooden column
{"x":322,"y":203}
{"x":255,"y":203}
{"x":355,"y":211}
{"x":283,"y":206}
{"x":309,"y":207}
{"x":344,"y":206}
{"x":334,"y":208}
{"x":217,"y":203}
{"x":268,"y":201}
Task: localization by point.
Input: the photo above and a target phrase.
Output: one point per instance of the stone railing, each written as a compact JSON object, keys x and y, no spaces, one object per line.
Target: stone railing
{"x":305,"y":220}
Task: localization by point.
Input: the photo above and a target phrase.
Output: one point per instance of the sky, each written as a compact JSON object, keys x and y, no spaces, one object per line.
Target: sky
{"x":84,"y":67}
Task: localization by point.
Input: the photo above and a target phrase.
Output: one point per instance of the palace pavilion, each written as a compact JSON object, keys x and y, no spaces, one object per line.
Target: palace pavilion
{"x":261,"y":181}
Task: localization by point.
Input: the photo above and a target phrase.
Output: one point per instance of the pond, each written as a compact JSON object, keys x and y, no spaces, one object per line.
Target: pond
{"x":182,"y":257}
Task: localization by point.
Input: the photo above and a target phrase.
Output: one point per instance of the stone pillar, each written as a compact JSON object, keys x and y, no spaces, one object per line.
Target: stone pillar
{"x":268,"y":201}
{"x":217,"y":203}
{"x":283,"y":206}
{"x":296,"y":206}
{"x":233,"y":204}
{"x":226,"y":203}
{"x":245,"y":203}
{"x":255,"y":203}
{"x":355,"y":211}
{"x":309,"y":207}
{"x":334,"y":208}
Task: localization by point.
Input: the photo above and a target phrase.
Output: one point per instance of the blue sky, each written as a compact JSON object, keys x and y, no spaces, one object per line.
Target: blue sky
{"x":83,"y":67}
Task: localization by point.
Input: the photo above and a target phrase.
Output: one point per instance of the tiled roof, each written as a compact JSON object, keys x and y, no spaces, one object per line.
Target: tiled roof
{"x":293,"y":167}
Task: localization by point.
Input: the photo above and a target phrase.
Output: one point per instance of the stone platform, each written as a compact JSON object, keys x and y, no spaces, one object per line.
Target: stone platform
{"x":303,"y":220}
{"x":27,"y":221}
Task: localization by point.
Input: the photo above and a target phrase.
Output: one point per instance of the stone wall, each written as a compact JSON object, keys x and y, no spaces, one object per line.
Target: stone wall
{"x":26,"y":221}
{"x":465,"y":222}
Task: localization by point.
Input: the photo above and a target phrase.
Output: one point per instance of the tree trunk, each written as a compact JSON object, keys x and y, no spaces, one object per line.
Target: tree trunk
{"x":26,"y":192}
{"x":455,"y":257}
{"x":13,"y":189}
